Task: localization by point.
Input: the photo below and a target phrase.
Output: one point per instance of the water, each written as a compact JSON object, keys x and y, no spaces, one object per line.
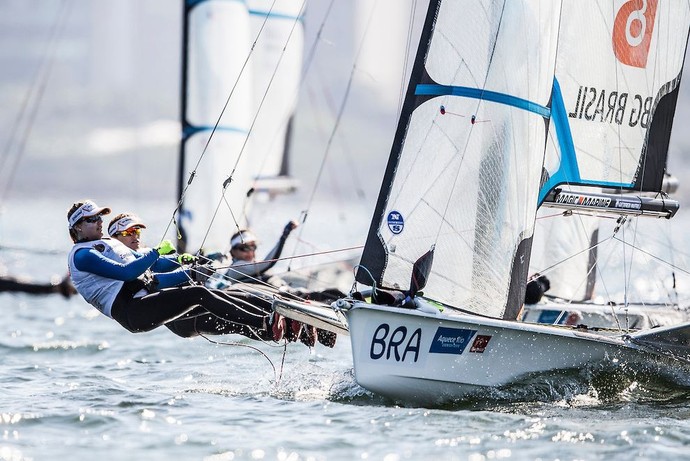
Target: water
{"x":76,"y":385}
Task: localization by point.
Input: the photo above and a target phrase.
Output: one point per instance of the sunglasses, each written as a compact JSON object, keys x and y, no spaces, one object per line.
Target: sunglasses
{"x":93,"y":219}
{"x":126,"y":233}
{"x":245,"y":247}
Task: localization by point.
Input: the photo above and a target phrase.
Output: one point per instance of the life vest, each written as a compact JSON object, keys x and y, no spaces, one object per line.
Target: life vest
{"x":99,"y":291}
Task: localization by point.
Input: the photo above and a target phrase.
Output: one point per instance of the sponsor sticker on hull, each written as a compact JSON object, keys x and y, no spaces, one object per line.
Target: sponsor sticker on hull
{"x":479,"y":344}
{"x":450,"y":340}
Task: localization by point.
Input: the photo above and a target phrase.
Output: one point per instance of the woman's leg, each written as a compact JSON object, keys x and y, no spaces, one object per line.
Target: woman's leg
{"x":200,"y":321}
{"x":155,"y":309}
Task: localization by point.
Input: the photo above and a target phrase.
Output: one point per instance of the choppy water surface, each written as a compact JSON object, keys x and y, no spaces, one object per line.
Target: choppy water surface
{"x":77,"y":386}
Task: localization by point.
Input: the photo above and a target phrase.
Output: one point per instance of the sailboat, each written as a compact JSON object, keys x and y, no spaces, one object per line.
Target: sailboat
{"x":448,"y":250}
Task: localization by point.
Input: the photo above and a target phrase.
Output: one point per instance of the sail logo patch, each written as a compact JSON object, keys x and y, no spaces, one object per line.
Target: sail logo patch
{"x":450,"y":340}
{"x":396,"y":223}
{"x":632,"y":32}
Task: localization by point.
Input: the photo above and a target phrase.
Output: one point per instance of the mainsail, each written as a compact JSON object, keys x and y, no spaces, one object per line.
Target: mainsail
{"x":277,"y":65}
{"x":613,"y":108}
{"x":615,"y":94}
{"x":464,"y":171}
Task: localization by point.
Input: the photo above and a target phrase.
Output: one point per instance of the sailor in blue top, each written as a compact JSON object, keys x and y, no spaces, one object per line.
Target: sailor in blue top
{"x":168,"y":272}
{"x":117,"y":282}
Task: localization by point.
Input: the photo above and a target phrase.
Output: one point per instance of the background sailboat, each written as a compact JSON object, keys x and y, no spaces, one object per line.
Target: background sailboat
{"x":217,"y":100}
{"x":238,"y":58}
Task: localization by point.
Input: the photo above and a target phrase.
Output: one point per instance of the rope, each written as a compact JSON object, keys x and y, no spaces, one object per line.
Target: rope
{"x":339,"y":116}
{"x":37,"y":90}
{"x":215,"y":126}
{"x":277,"y":376}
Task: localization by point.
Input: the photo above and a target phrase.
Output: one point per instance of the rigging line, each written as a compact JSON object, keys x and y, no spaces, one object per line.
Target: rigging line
{"x":249,"y":278}
{"x":41,"y":79}
{"x":34,"y":82}
{"x":628,"y":266}
{"x":317,"y":40}
{"x":213,"y":218}
{"x":227,"y":182}
{"x":339,"y":116}
{"x":304,"y":73}
{"x":662,"y":260}
{"x":220,"y":116}
{"x":549,"y":268}
{"x":355,"y":180}
{"x":254,"y":348}
{"x":263,"y":98}
{"x":312,"y":50}
{"x":305,"y":255}
{"x":311,"y":281}
{"x":406,"y":58}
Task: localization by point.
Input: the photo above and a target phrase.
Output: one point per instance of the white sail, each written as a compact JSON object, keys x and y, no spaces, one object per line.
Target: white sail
{"x":217,"y":45}
{"x":565,"y":248}
{"x":277,"y":67}
{"x":463,"y":176}
{"x":616,"y":92}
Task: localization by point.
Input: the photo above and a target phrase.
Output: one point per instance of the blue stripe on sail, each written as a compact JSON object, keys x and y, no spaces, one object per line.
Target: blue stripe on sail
{"x":193,"y":3}
{"x":485,"y":95}
{"x":272,"y":15}
{"x":568,"y":171}
{"x":192,"y":130}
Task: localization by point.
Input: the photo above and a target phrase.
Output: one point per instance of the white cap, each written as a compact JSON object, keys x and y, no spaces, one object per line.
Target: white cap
{"x":86,"y":210}
{"x":126,"y":222}
{"x":244,"y":236}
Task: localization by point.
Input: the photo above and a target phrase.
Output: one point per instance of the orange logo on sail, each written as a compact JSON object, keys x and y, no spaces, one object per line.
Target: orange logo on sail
{"x":632,"y":31}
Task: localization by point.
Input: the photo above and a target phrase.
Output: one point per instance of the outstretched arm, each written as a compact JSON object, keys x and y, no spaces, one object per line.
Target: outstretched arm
{"x":241,"y":270}
{"x":91,"y":260}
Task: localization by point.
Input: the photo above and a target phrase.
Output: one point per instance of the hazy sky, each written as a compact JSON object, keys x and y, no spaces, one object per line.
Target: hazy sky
{"x":98,"y":84}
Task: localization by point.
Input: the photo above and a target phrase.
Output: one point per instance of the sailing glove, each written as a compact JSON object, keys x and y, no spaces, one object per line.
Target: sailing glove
{"x":186,"y":258}
{"x":165,"y":248}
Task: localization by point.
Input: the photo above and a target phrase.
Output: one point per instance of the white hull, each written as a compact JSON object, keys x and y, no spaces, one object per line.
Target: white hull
{"x":427,"y":358}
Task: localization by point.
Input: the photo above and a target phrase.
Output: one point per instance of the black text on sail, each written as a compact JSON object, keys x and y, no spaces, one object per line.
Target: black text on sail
{"x":613,"y":107}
